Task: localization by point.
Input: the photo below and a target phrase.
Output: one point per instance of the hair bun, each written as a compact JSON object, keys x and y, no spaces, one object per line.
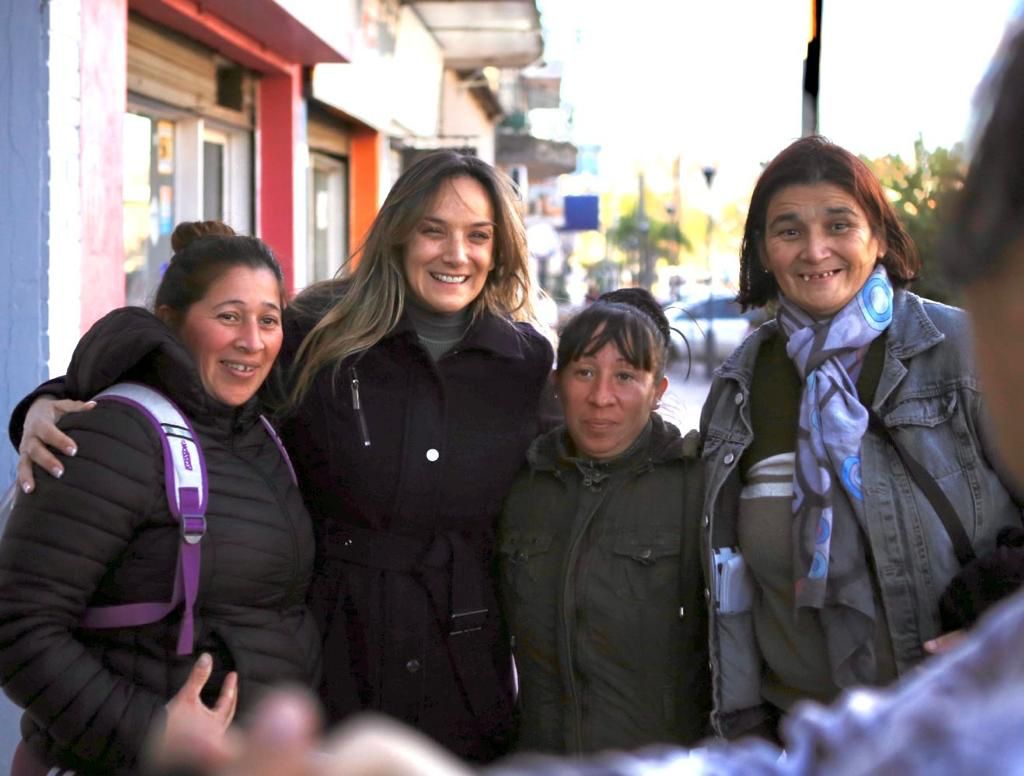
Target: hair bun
{"x":643,"y":301}
{"x":187,"y":232}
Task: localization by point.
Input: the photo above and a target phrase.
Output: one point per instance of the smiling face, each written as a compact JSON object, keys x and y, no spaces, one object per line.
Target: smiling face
{"x":607,"y":401}
{"x":234,"y":333}
{"x":819,"y":246}
{"x":451,"y":251}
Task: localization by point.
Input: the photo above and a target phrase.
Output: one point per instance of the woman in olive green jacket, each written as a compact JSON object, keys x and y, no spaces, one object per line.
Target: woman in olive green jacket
{"x":599,"y":553}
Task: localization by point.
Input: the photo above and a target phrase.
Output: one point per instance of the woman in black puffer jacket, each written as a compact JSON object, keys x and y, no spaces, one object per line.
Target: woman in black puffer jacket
{"x":102,"y":534}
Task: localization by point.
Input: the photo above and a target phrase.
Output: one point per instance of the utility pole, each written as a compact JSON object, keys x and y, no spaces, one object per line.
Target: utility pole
{"x":709,"y":336}
{"x":643,"y":227}
{"x":812,"y":71}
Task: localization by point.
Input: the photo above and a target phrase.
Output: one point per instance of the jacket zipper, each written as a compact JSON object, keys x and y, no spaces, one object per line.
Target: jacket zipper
{"x":357,"y":406}
{"x":282,"y":502}
{"x":567,"y":584}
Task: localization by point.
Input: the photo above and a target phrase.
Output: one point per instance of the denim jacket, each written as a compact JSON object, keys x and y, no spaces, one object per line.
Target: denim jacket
{"x":928,"y":393}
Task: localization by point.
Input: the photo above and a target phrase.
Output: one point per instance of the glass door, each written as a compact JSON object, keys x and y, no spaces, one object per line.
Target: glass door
{"x":215,"y":179}
{"x":328,"y":216}
{"x":148,"y":201}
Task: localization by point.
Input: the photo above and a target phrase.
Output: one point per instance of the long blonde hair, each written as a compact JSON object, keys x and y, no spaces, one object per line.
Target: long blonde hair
{"x":374,"y":295}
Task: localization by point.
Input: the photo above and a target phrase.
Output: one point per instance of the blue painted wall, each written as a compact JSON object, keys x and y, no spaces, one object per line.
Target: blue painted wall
{"x":24,"y":207}
{"x":24,"y":214}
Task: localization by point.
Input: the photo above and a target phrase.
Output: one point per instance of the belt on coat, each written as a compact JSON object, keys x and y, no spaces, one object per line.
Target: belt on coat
{"x":460,"y":617}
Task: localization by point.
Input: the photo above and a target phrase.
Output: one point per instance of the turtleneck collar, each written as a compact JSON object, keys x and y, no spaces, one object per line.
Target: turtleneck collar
{"x":437,"y":332}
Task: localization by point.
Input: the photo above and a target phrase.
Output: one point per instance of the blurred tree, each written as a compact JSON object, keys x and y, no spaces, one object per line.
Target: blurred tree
{"x":665,"y":238}
{"x":921,"y":193}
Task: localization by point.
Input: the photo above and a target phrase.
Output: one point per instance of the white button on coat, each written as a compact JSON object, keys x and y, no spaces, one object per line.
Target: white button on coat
{"x":432,"y":455}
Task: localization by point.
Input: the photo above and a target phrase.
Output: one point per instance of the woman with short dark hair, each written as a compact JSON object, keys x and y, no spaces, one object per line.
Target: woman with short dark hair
{"x":826,"y":558}
{"x":599,"y":551}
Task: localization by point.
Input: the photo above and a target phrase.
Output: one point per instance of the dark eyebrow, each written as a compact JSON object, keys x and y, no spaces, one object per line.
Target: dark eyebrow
{"x":436,"y":220}
{"x":240,"y":303}
{"x":791,"y":217}
{"x":783,"y":218}
{"x":840,"y":210}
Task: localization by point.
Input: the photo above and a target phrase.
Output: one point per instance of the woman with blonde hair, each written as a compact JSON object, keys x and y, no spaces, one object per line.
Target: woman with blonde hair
{"x":416,"y":390}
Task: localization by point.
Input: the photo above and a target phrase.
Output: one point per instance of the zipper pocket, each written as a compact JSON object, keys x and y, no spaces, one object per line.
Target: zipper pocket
{"x":358,"y":407}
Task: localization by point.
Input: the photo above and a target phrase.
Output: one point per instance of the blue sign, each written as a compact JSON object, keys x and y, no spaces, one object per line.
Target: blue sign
{"x":582,"y":212}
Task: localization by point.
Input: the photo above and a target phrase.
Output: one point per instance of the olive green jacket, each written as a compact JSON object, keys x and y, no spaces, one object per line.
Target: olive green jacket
{"x":602,"y":588}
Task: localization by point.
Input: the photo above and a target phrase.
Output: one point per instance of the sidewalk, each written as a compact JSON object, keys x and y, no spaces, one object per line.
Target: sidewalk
{"x":685,"y":396}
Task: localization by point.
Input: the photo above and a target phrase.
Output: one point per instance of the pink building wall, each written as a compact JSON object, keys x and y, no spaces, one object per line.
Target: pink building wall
{"x":104,"y":52}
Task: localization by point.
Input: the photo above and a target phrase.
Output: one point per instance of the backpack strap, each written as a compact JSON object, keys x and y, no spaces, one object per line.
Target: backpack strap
{"x":187,"y":493}
{"x":280,"y":446}
{"x":932,"y":490}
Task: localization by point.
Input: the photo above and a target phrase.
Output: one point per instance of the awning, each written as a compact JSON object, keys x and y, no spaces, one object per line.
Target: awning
{"x":273,"y":26}
{"x":478,"y":33}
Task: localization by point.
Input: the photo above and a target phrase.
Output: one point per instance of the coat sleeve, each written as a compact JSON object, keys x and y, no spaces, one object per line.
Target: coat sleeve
{"x":54,"y":388}
{"x":58,"y":544}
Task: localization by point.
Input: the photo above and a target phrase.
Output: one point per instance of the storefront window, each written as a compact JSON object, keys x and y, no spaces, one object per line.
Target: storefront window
{"x":328,"y":215}
{"x":177,"y":170}
{"x":214,"y":151}
{"x":149,"y":218}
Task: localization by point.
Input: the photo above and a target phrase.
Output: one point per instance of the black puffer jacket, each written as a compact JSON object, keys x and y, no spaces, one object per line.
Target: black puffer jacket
{"x":103,"y":534}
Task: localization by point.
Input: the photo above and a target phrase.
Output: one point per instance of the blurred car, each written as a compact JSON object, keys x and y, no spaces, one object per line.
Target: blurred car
{"x":693,"y":320}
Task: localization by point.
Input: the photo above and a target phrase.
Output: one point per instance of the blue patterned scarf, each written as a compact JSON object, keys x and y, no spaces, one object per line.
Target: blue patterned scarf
{"x":829,"y":558}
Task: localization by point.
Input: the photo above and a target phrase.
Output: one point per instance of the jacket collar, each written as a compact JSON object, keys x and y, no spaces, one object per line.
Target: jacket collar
{"x":488,"y":333}
{"x":552,"y":452}
{"x":912,"y":331}
{"x":740,"y":365}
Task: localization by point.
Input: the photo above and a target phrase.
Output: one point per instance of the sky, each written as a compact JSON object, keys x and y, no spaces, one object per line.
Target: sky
{"x":911,"y":69}
{"x":718,"y":82}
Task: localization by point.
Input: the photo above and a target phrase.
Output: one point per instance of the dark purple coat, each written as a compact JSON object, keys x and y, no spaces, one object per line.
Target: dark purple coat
{"x":404,"y":589}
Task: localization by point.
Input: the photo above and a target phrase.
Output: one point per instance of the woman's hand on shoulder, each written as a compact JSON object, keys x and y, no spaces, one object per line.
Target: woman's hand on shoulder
{"x":40,"y":433}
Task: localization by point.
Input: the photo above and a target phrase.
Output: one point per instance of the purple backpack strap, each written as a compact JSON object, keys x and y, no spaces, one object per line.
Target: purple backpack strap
{"x":185,"y":482}
{"x":280,"y":446}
